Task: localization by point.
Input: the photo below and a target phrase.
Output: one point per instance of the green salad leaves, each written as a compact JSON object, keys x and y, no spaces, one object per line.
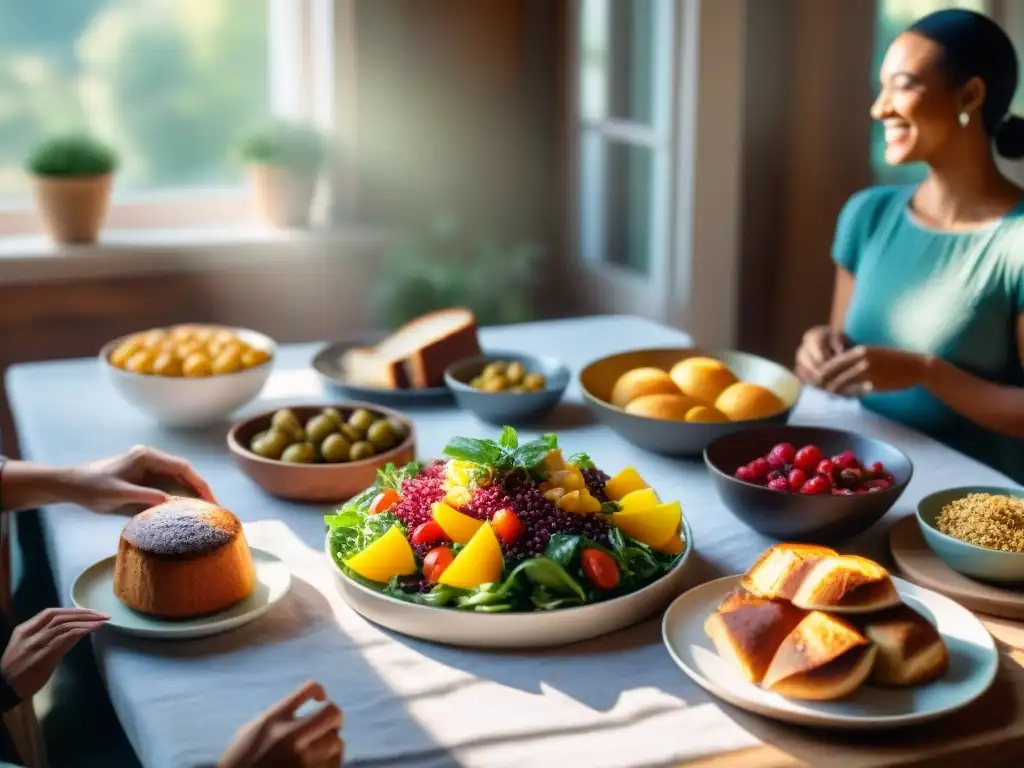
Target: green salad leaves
{"x":556,"y":579}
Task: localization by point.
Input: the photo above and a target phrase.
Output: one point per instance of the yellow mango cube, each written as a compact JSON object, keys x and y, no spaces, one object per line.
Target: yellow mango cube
{"x":458,"y":497}
{"x":653,"y":526}
{"x":481,"y":562}
{"x":626,"y":481}
{"x":570,"y":502}
{"x":634,"y":501}
{"x":457,"y":526}
{"x":588,"y":503}
{"x":390,"y":555}
{"x":554,"y":461}
{"x":673,"y":546}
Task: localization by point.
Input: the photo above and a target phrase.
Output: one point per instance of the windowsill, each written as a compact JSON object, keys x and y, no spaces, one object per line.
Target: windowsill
{"x":35,"y":259}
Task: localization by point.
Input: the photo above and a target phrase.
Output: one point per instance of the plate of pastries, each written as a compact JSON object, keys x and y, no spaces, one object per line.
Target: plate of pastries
{"x":811,"y":636}
{"x":183,"y":569}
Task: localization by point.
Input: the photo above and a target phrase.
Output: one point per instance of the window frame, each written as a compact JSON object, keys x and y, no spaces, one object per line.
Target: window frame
{"x":311,"y":60}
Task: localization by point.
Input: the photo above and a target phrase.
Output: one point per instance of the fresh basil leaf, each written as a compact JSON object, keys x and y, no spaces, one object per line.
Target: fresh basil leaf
{"x":486,"y":452}
{"x":544,"y":572}
{"x":342,"y":519}
{"x":509,"y":439}
{"x":562,"y":548}
{"x":582,"y":460}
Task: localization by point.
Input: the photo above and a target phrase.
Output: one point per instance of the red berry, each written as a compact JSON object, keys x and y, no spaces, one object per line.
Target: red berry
{"x":428,"y":533}
{"x":435,"y":563}
{"x":775,"y":475}
{"x":507,"y":525}
{"x":796,"y":479}
{"x":759,"y":468}
{"x":826,"y":467}
{"x":842,"y":492}
{"x":880,"y":484}
{"x":818,"y":484}
{"x":846,"y":460}
{"x":745,"y":474}
{"x":775,"y":462}
{"x":783,"y":453}
{"x":878,"y":468}
{"x":807,"y":458}
{"x":779,"y":484}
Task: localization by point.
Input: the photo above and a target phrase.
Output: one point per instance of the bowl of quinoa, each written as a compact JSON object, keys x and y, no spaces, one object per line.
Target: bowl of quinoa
{"x":977,"y":530}
{"x":508,"y":544}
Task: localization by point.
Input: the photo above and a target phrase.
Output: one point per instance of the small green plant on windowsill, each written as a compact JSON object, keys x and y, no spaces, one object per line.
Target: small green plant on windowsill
{"x":72,"y":175}
{"x":284,"y":160}
{"x":444,"y":265}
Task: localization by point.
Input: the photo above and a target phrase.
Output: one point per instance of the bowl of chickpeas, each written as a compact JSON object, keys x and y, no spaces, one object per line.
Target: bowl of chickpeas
{"x":508,"y":387}
{"x":189,"y":375}
{"x":320,"y":453}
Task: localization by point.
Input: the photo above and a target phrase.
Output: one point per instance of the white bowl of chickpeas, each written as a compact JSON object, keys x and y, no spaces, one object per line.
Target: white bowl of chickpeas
{"x":189,"y":375}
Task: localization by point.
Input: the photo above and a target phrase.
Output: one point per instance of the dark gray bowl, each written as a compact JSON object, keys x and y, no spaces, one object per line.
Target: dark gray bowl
{"x":678,"y":438}
{"x":508,"y":407}
{"x":794,"y":516}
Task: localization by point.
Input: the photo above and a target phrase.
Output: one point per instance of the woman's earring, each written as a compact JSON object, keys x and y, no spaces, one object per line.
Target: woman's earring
{"x":965,"y":119}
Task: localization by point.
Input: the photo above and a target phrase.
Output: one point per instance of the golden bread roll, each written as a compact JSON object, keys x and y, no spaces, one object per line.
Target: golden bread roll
{"x":702,"y":377}
{"x":745,"y":401}
{"x":910,"y":650}
{"x":846,"y":584}
{"x":181,"y":559}
{"x":639,"y":382}
{"x":780,"y":570}
{"x":747,"y":630}
{"x":666,"y":407}
{"x":823,"y":658}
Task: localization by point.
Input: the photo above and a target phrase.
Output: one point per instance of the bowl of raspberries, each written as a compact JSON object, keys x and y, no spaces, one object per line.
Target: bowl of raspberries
{"x":807,"y":483}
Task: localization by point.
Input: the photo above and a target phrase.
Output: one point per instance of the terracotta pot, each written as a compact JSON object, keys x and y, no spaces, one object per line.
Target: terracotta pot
{"x":73,"y":208}
{"x":283,"y":195}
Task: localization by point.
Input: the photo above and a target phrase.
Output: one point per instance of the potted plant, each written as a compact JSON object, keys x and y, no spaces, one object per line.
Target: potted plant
{"x":284,"y":162}
{"x":73,"y":176}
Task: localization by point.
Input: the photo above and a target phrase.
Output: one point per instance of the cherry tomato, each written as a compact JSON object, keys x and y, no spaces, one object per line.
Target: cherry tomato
{"x":428,"y":533}
{"x":601,"y":568}
{"x":384,"y":501}
{"x":507,"y":525}
{"x":435,"y":562}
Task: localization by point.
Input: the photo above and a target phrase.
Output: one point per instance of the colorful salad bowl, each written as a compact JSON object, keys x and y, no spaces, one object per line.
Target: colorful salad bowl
{"x":508,"y":545}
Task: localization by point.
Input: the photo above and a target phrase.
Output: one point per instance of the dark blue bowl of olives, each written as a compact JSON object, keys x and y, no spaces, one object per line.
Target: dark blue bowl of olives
{"x":508,"y":387}
{"x":323,"y":453}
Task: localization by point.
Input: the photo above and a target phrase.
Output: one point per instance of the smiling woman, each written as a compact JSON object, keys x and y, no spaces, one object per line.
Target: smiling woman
{"x":927,"y":323}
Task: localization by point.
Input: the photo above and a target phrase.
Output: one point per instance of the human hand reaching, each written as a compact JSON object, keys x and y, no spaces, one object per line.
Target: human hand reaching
{"x":819,"y":345}
{"x":119,"y":482}
{"x":279,"y":739}
{"x":38,"y":645}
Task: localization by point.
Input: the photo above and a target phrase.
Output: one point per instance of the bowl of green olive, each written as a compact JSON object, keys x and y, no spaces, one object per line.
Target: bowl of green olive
{"x":508,"y":387}
{"x":320,"y":453}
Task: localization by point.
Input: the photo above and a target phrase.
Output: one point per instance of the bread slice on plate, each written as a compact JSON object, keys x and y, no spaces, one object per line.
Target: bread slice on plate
{"x":780,"y":570}
{"x":746,"y":631}
{"x":846,"y":584}
{"x":823,"y":658}
{"x":416,"y":355}
{"x":910,"y":650}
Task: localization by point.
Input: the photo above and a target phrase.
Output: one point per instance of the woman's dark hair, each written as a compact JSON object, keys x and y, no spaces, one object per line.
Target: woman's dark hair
{"x":975,"y":46}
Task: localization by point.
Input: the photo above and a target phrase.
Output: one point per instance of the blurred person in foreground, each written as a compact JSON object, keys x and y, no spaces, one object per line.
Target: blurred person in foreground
{"x":927,"y":320}
{"x":34,"y":648}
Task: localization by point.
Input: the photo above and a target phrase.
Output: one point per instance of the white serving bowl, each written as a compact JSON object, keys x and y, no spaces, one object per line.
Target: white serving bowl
{"x":186,"y":402}
{"x":539,"y":629}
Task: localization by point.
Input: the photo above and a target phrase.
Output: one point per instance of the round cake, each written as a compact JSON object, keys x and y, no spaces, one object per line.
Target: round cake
{"x":181,"y":559}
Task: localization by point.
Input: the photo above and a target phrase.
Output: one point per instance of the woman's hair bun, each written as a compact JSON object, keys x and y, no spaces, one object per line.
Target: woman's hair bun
{"x":1009,"y":138}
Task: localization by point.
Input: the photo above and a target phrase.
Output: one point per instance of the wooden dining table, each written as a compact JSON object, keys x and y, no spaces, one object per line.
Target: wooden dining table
{"x":616,"y":701}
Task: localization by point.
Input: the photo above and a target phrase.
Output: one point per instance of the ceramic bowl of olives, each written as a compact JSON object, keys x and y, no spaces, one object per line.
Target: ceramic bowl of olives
{"x":320,"y":453}
{"x":508,"y":387}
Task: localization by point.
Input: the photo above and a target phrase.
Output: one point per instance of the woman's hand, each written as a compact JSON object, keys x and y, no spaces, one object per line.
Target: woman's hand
{"x":38,"y":645}
{"x":277,"y":739}
{"x":819,"y":345}
{"x":862,"y":369}
{"x":112,"y":484}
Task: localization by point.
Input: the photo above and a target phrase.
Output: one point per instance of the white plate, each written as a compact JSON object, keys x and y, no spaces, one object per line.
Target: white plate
{"x":539,"y":629}
{"x":973,"y":662}
{"x":94,"y":589}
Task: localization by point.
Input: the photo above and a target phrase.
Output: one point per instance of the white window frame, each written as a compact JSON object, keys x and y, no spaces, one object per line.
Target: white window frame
{"x":311,"y":73}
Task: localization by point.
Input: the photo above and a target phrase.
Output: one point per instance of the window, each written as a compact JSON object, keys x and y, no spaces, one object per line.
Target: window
{"x":624,"y":133}
{"x":893,"y":17}
{"x":170,"y":84}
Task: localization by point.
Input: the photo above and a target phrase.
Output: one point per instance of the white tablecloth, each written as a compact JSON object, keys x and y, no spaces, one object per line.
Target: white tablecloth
{"x":617,"y":701}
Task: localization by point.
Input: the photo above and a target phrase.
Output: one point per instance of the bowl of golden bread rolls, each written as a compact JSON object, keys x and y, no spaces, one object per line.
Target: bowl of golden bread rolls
{"x":675,"y":401}
{"x":189,"y":375}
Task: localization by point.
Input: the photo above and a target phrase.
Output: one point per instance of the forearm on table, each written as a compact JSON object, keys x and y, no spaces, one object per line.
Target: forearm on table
{"x":993,"y":406}
{"x":25,"y":484}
